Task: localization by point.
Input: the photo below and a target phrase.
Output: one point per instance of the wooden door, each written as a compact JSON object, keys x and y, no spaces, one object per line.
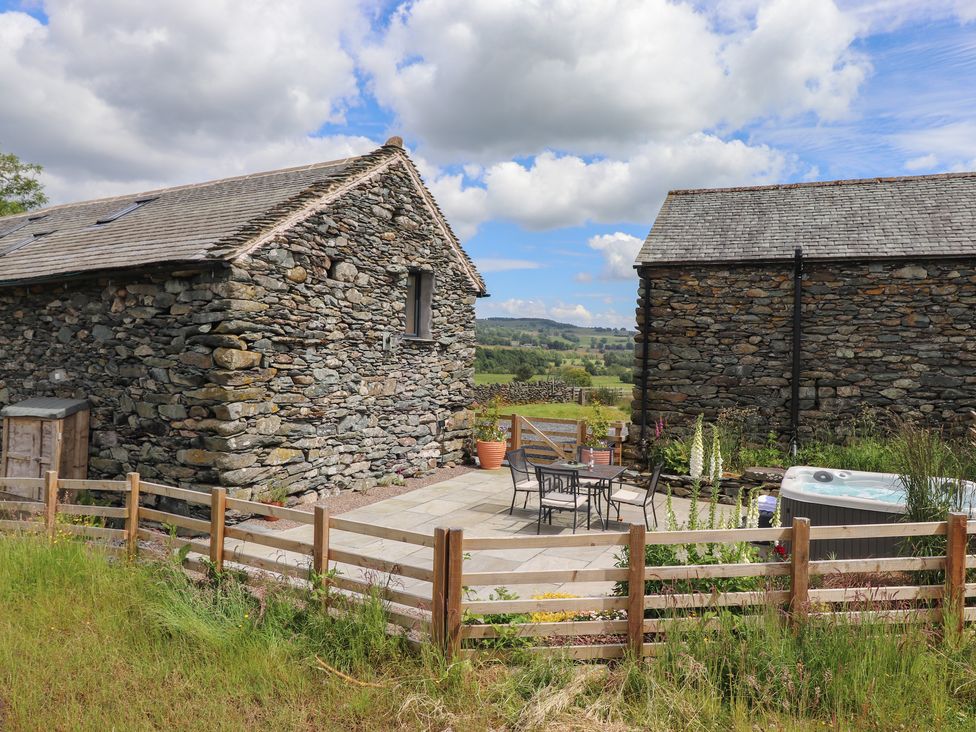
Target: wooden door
{"x":30,"y":447}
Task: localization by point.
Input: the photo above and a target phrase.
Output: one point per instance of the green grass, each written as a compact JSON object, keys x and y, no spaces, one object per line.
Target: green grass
{"x":87,"y":643}
{"x":493,"y":378}
{"x":562,"y":411}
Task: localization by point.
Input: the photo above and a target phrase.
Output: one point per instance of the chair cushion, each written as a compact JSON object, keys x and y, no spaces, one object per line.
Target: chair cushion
{"x":563,"y":500}
{"x":628,"y":495}
{"x":530,"y":484}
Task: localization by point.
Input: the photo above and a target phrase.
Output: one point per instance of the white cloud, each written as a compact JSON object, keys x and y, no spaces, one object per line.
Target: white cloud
{"x":486,"y":265}
{"x":952,"y":146}
{"x":619,"y":251}
{"x":887,"y":15}
{"x":112,"y":96}
{"x":555,"y":191}
{"x":494,"y":79}
{"x":922,"y":162}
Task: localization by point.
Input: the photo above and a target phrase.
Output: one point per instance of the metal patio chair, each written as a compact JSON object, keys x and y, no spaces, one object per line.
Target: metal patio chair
{"x":633,"y":494}
{"x":560,"y":490}
{"x":523,"y":476}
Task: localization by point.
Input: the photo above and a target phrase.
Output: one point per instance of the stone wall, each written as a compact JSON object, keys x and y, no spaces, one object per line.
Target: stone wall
{"x":896,"y":337}
{"x":286,"y":368}
{"x":525,"y":392}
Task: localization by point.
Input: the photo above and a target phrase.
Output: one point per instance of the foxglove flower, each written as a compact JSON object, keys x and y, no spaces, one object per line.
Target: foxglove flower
{"x":697,"y":462}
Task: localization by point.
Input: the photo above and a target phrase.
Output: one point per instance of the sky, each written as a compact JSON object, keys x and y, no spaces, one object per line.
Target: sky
{"x":548,"y":130}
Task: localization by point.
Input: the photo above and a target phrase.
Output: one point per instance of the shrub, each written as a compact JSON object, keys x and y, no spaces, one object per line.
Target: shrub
{"x":575,"y":376}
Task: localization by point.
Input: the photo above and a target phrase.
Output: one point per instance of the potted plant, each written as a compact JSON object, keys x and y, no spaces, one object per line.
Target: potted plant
{"x":489,"y":437}
{"x":274,"y":496}
{"x":595,"y":437}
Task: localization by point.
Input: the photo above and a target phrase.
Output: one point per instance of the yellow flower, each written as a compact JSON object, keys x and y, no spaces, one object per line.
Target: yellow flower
{"x":557,"y":616}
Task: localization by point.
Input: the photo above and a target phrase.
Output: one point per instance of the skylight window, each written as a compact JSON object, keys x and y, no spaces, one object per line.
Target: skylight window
{"x":27,"y":222}
{"x":21,"y":243}
{"x":128,"y":208}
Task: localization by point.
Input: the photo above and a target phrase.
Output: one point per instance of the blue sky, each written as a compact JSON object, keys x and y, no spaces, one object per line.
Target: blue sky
{"x":548,"y":131}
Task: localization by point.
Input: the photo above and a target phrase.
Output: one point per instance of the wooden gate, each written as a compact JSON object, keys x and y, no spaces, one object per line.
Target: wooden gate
{"x":552,"y":440}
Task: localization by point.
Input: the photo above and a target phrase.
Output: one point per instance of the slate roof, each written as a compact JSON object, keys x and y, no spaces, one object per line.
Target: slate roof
{"x":215,"y":220}
{"x":878,"y":218}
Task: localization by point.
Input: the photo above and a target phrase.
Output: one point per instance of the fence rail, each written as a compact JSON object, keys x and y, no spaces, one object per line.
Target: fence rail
{"x":634,"y":621}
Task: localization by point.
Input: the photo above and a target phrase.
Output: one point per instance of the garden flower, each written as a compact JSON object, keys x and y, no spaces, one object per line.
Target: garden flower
{"x":697,"y":461}
{"x":716,"y":467}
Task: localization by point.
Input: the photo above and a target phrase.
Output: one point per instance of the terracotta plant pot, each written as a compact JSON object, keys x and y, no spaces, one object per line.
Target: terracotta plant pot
{"x":491,"y":455}
{"x":599,"y":455}
{"x":271,"y":503}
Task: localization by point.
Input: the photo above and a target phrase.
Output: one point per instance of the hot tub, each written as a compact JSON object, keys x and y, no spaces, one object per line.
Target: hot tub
{"x":845,"y":497}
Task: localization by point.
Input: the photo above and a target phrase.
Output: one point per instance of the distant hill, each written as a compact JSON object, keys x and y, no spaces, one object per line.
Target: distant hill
{"x":546,"y":333}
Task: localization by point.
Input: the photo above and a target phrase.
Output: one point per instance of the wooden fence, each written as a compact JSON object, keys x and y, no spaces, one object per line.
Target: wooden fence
{"x":793,"y":593}
{"x":440,"y":609}
{"x":551,"y":440}
{"x":217,"y":542}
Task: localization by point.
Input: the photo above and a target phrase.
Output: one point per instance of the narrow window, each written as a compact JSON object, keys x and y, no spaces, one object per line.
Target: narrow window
{"x":413,"y":304}
{"x":420,"y":287}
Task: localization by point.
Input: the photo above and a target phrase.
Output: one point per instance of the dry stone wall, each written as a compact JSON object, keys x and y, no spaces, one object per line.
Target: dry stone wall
{"x":287,"y":368}
{"x":525,"y":392}
{"x":896,"y":337}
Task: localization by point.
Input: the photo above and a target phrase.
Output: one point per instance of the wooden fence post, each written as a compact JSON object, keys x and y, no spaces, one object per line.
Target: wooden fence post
{"x":320,"y":551}
{"x":132,"y":515}
{"x":50,"y":501}
{"x":954,"y":602}
{"x":452,"y":625}
{"x":580,"y":438}
{"x":516,"y":432}
{"x":800,"y":568}
{"x":218,"y":509}
{"x":635,"y":590}
{"x":438,"y":596}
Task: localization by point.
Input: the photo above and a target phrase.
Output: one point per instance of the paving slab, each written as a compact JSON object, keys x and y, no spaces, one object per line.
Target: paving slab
{"x":478,"y":502}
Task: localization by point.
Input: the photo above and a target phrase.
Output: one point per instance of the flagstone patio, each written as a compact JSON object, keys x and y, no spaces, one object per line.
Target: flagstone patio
{"x":477,"y":502}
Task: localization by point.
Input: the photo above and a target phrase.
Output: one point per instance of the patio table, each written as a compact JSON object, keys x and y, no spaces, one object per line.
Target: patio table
{"x":605,"y":474}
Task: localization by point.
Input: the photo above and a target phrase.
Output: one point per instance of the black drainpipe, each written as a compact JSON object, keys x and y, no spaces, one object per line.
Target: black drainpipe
{"x":797,"y":338}
{"x":645,"y":330}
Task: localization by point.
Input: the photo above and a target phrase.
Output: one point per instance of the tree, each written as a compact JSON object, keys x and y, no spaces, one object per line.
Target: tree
{"x":524,"y":373}
{"x":19,"y":188}
{"x":575,"y":376}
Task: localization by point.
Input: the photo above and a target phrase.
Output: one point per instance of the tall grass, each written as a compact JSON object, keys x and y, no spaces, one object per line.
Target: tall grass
{"x":831,"y":674}
{"x":92,"y":644}
{"x":87,"y":643}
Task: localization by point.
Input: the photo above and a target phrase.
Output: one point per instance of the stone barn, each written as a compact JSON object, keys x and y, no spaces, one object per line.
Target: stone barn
{"x":811,"y":302}
{"x":304,"y":329}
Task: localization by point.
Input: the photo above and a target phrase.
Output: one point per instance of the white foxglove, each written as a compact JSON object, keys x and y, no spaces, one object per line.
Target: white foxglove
{"x":715,"y":468}
{"x":697,"y":461}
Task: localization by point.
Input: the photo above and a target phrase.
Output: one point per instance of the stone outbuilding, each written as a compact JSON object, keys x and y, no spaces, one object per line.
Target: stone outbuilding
{"x":811,"y":302}
{"x":306,"y":328}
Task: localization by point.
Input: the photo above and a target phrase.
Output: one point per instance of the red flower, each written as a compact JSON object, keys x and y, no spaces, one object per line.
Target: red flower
{"x":781,"y":550}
